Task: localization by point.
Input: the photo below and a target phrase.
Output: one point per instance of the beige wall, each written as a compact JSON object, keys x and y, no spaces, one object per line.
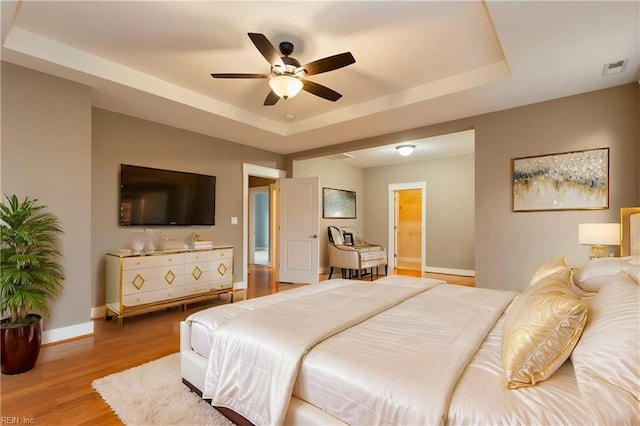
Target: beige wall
{"x":334,"y":174}
{"x":121,"y":139}
{"x":449,"y":212}
{"x":510,"y":246}
{"x":46,"y":154}
{"x":56,"y":148}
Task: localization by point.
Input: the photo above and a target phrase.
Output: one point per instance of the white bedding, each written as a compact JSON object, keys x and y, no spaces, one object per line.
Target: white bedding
{"x":432,"y":359}
{"x":257,"y":354}
{"x":481,"y":398}
{"x":383,"y":370}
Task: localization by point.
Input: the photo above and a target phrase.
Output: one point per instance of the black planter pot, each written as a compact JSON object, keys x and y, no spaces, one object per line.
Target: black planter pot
{"x":20,"y":346}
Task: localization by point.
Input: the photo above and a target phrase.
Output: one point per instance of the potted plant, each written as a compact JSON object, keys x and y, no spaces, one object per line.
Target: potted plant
{"x":30,"y":277}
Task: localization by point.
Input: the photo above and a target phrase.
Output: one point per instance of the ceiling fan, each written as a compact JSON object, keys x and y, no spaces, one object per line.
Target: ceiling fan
{"x":287,"y":76}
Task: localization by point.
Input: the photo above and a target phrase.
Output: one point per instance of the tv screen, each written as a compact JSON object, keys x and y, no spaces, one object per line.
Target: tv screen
{"x":155,"y":197}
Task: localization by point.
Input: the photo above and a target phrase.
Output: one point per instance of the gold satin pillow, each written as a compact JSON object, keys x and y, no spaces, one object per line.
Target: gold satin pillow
{"x":541,"y":329}
{"x":547,"y":269}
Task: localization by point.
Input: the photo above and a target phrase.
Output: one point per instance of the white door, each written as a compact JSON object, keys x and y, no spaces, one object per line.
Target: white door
{"x":298,"y":254}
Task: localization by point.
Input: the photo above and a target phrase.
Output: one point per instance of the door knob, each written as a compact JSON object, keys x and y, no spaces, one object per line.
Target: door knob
{"x":313,"y":236}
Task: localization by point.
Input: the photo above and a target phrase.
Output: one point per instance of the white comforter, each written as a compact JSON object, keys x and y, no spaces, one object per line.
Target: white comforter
{"x":401,"y":366}
{"x":256,"y":355}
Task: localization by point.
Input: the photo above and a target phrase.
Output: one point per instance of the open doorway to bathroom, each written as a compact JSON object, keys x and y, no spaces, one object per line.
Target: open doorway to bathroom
{"x":407,"y":225}
{"x":409,"y":229}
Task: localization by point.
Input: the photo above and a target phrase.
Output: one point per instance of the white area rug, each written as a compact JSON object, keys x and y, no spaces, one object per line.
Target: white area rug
{"x":153,"y":394}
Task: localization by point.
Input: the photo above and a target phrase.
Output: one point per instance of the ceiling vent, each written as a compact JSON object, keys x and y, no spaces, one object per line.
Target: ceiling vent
{"x":614,"y":67}
{"x":343,"y":156}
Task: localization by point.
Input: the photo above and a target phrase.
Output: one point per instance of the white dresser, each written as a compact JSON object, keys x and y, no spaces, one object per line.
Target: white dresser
{"x":144,"y":282}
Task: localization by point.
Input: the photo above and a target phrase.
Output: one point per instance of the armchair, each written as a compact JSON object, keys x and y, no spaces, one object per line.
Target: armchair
{"x":353,"y":254}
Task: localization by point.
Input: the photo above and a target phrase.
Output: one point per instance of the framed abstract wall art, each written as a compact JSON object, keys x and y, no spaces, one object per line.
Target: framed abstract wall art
{"x":338,"y":204}
{"x":576,"y":180}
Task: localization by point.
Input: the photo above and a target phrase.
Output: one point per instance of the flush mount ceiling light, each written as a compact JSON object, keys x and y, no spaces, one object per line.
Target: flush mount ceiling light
{"x":405,"y":150}
{"x":285,"y":86}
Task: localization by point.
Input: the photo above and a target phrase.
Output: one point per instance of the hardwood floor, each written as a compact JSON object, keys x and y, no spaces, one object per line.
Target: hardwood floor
{"x":58,"y":390}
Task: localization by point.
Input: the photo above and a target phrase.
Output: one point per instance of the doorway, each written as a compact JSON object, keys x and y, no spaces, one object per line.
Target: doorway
{"x":407,"y":225}
{"x":408,"y":228}
{"x":249,"y":172}
{"x":261,"y":220}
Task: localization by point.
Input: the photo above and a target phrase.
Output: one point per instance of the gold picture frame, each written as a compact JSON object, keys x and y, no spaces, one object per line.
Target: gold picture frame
{"x":576,"y":180}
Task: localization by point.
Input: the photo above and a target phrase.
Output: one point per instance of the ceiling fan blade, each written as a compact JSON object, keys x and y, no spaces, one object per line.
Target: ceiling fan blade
{"x":329,"y":63}
{"x":267,"y":50}
{"x":271,"y":98}
{"x":320,"y":90}
{"x":235,"y":75}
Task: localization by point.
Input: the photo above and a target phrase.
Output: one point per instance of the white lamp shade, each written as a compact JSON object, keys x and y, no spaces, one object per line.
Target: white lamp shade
{"x":607,"y":234}
{"x":285,"y":86}
{"x":405,"y":150}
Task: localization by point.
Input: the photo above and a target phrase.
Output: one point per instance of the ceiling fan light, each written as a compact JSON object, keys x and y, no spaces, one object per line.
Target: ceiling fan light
{"x":405,"y":150}
{"x":285,"y":86}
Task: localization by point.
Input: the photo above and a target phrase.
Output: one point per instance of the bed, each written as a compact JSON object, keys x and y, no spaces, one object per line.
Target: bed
{"x":405,"y":350}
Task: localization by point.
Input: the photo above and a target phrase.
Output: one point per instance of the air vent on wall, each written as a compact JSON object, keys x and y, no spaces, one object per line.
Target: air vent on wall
{"x":343,"y":156}
{"x":614,"y":67}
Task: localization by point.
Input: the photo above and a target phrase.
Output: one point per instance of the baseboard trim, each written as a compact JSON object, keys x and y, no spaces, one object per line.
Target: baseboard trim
{"x":98,"y":312}
{"x":66,"y":333}
{"x":240,"y":285}
{"x":450,"y":271}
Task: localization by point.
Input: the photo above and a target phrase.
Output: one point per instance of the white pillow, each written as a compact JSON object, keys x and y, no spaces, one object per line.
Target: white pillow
{"x":606,"y":360}
{"x":593,"y":275}
{"x":634,"y":273}
{"x":336,"y":235}
{"x":634,"y":260}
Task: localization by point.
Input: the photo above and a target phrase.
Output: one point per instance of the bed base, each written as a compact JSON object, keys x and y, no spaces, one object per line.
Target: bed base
{"x":193,"y":368}
{"x":228,"y":413}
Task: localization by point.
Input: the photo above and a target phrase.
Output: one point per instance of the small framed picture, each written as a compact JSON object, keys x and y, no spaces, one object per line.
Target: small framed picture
{"x":338,"y":204}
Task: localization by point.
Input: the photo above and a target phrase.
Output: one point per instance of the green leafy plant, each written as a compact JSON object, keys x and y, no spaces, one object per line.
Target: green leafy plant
{"x":30,"y":275}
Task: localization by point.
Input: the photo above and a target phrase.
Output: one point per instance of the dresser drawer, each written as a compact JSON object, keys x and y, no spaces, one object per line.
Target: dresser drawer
{"x":196,"y":257}
{"x":152,"y":261}
{"x":203,"y":288}
{"x":221,"y":254}
{"x":138,"y":286}
{"x":147,"y":274}
{"x":152,"y":296}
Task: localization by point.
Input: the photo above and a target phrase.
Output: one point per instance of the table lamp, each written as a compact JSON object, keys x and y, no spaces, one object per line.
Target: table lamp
{"x":599,"y":236}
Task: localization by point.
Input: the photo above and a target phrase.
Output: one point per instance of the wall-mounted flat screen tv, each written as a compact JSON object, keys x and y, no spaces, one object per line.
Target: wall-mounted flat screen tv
{"x":156,"y":197}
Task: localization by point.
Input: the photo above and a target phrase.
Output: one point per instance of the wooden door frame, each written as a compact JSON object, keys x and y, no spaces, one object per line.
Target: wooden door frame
{"x":258,"y":171}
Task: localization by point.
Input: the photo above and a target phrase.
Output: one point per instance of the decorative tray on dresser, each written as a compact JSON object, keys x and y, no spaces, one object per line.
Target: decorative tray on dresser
{"x":139,"y":282}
